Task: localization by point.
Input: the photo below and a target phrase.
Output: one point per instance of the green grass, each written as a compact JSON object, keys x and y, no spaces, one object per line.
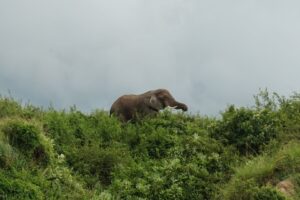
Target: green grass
{"x":265,"y":170}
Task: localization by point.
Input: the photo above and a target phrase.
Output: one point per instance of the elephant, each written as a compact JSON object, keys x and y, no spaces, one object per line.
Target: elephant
{"x":130,"y":107}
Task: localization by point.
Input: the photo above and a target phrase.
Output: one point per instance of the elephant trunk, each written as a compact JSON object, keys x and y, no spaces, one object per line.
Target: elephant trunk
{"x":178,"y":105}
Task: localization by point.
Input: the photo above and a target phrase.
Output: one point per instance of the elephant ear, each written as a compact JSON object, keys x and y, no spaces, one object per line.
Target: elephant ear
{"x":153,"y":103}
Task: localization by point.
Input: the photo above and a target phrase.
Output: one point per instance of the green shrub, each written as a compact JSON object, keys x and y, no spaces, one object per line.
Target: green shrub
{"x":250,"y":190}
{"x":263,"y":170}
{"x":29,"y":140}
{"x":169,"y":156}
{"x":15,"y":188}
{"x":107,"y":129}
{"x":7,"y":155}
{"x":158,"y":143}
{"x":31,"y":112}
{"x":97,"y":164}
{"x":60,"y":183}
{"x":171,"y":162}
{"x":166,"y":179}
{"x":9,"y":107}
{"x":246,"y":129}
{"x":290,"y":118}
{"x":287,"y":111}
{"x":89,"y":143}
{"x":267,"y":193}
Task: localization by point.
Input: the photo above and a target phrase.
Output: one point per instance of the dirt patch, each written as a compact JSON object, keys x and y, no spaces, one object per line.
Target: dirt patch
{"x":286,"y":187}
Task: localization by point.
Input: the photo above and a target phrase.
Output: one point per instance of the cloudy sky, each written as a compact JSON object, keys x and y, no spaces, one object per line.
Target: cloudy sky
{"x":209,"y":54}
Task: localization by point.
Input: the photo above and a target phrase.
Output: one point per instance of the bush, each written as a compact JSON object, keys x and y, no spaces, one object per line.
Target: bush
{"x":107,"y":129}
{"x":7,"y":155}
{"x":250,"y":190}
{"x":290,"y":117}
{"x":267,"y":193}
{"x":158,"y":143}
{"x":97,"y":164}
{"x":9,"y":107}
{"x":167,"y":179}
{"x":171,"y":161}
{"x":246,"y":129}
{"x":15,"y":188}
{"x":29,"y":140}
{"x":89,"y":142}
{"x":254,"y":175}
{"x":169,"y":156}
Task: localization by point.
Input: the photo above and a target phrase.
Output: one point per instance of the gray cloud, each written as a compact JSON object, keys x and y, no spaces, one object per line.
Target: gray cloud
{"x":207,"y":53}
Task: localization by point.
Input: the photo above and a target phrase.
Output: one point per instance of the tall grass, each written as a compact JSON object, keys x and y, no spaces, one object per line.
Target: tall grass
{"x":264,"y":170}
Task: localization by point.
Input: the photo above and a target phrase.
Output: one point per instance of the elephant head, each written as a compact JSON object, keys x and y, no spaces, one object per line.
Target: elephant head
{"x":128,"y":107}
{"x":161,"y":98}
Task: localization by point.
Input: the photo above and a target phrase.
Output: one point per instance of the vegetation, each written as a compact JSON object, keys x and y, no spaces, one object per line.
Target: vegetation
{"x":67,"y":154}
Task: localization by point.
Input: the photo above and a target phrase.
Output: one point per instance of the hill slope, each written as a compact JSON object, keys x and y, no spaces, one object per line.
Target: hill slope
{"x":249,"y":153}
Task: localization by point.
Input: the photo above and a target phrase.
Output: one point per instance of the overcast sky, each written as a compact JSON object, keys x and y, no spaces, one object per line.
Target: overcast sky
{"x":209,"y":54}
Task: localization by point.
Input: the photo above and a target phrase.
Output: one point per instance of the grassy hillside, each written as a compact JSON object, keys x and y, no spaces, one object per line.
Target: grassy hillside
{"x":247,"y":153}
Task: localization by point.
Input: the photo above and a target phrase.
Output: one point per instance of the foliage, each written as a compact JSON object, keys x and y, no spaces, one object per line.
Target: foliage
{"x":30,"y":140}
{"x":68,"y":154}
{"x":14,"y":188}
{"x":7,"y":155}
{"x":9,"y":107}
{"x":262,"y":170}
{"x":249,"y":130}
{"x":170,"y":164}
